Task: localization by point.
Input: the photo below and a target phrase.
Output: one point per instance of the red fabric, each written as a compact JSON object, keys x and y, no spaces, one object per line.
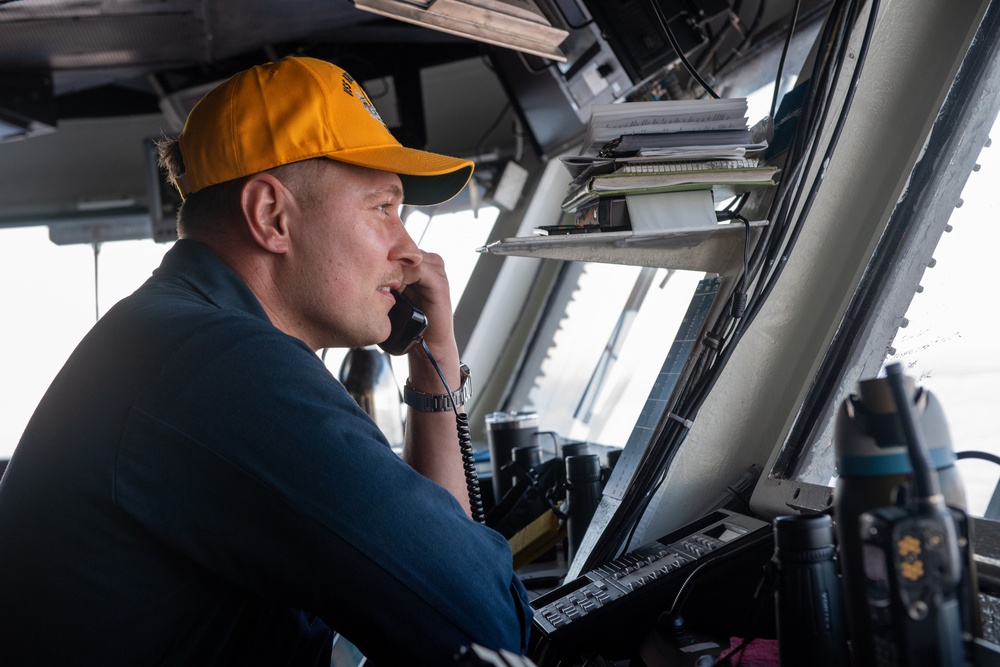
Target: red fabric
{"x":756,"y":653}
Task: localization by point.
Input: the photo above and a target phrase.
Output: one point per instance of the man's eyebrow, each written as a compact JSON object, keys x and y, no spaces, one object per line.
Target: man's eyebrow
{"x":393,"y":190}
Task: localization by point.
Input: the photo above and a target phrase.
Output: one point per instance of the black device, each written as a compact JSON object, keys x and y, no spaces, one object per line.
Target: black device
{"x":583,"y":494}
{"x":407,"y":325}
{"x":811,"y":620}
{"x":614,"y":599}
{"x":612,"y":49}
{"x":918,"y":579}
{"x":673,"y":644}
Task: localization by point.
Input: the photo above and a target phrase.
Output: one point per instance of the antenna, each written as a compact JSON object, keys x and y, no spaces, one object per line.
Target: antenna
{"x":926,"y":485}
{"x":97,"y":251}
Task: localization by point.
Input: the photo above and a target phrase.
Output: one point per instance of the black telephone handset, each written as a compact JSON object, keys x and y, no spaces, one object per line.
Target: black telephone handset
{"x":407,"y":325}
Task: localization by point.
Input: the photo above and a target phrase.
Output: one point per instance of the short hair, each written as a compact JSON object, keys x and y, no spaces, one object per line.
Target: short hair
{"x":207,"y":211}
{"x":215,"y":208}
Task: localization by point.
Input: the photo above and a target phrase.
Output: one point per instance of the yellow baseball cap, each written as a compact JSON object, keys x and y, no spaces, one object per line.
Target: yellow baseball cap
{"x":300,"y":108}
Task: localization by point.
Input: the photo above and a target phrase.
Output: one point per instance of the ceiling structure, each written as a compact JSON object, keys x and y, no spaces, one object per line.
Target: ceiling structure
{"x":104,"y":54}
{"x":97,"y":79}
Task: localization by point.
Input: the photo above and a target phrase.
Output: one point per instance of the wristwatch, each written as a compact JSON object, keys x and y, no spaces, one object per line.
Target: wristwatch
{"x":418,"y":400}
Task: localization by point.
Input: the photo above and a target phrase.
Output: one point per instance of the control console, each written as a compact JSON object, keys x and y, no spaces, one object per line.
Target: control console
{"x":641,"y":582}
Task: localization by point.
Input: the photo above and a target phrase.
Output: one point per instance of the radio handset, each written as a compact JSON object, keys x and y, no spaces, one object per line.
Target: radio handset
{"x":408,"y":324}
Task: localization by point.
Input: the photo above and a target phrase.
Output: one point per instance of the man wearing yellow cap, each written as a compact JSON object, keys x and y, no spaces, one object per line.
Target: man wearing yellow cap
{"x":196,"y":488}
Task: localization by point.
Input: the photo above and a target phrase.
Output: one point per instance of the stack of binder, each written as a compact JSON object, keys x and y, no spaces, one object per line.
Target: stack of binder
{"x":660,"y":148}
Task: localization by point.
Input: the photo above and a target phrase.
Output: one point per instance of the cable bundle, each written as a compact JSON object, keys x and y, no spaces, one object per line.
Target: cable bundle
{"x":803,"y":173}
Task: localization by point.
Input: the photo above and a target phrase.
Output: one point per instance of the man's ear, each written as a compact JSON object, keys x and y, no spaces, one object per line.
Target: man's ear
{"x":266,"y":202}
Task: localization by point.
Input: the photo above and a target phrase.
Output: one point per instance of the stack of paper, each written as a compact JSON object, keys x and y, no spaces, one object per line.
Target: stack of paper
{"x":639,"y":148}
{"x":608,"y":122}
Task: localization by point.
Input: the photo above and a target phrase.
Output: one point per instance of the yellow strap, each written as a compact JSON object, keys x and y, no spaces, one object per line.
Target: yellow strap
{"x":536,"y":538}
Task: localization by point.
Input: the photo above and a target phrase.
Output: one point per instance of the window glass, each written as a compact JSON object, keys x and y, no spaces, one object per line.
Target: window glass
{"x":49,"y":301}
{"x":50,"y":298}
{"x":609,"y":345}
{"x":454,"y":236}
{"x":945,"y":342}
{"x":947,"y":345}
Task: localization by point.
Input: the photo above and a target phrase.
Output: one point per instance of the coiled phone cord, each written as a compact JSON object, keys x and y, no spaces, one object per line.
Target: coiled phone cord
{"x":469,"y":465}
{"x":464,"y":443}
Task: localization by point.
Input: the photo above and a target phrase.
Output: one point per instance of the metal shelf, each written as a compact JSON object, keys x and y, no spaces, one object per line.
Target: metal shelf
{"x":716,"y":249}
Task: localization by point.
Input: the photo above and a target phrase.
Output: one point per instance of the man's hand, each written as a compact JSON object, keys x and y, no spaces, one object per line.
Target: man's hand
{"x":431,"y":437}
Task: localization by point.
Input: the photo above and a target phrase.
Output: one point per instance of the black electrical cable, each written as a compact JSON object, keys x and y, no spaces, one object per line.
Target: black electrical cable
{"x":926,"y":484}
{"x":781,"y":62}
{"x":712,"y":47}
{"x":528,"y":66}
{"x":652,"y":471}
{"x":801,"y":152}
{"x":806,"y":125}
{"x":464,"y":443}
{"x":850,"y":15}
{"x":962,"y":96}
{"x":861,"y":56}
{"x":758,"y":621}
{"x":765,"y":253}
{"x":819,"y":81}
{"x":774,"y":244}
{"x":684,"y":591}
{"x":739,"y":298}
{"x":711,"y":50}
{"x":659,"y":455}
{"x":748,"y":34}
{"x":678,"y":51}
{"x":973,"y":454}
{"x":481,"y":146}
{"x":831,"y":147}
